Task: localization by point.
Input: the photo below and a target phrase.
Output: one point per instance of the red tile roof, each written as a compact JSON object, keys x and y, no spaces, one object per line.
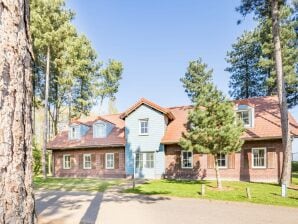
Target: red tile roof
{"x":142,"y":101}
{"x":266,"y":124}
{"x":115,"y":138}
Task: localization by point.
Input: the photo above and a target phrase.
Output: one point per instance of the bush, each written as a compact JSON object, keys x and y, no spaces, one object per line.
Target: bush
{"x":295,"y":166}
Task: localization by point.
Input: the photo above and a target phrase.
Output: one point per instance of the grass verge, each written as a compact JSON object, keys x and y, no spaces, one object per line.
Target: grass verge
{"x":262,"y":193}
{"x":74,"y":184}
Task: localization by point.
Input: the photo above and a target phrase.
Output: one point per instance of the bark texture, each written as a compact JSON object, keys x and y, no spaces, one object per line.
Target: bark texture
{"x":286,"y":170}
{"x":16,"y":194}
{"x":218,"y":178}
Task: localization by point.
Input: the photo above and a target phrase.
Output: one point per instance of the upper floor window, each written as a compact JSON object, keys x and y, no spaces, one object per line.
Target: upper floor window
{"x":144,"y":127}
{"x":99,"y":130}
{"x":186,"y":159}
{"x":74,"y":132}
{"x":246,"y":115}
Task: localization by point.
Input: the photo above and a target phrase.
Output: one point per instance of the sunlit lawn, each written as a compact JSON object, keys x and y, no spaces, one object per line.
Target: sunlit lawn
{"x":262,"y":193}
{"x":74,"y":184}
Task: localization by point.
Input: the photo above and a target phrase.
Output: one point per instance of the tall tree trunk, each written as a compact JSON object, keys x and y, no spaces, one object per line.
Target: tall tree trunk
{"x":16,"y":194}
{"x":286,"y":141}
{"x":45,"y":126}
{"x":218,"y":178}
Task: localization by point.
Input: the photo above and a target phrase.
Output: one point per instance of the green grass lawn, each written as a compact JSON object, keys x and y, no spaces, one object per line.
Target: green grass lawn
{"x":74,"y":184}
{"x":262,"y":193}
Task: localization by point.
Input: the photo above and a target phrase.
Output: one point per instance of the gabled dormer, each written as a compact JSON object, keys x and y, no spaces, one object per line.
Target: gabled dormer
{"x":102,"y":128}
{"x":247,"y":115}
{"x":77,"y":130}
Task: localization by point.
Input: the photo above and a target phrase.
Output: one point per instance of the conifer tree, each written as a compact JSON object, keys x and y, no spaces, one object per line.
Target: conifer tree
{"x":247,"y":78}
{"x":272,"y":10}
{"x":213,"y":126}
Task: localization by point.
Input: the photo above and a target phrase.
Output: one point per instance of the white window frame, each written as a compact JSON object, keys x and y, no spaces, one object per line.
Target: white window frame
{"x":140,"y":126}
{"x":226,"y":159}
{"x":106,"y":162}
{"x":249,"y":117}
{"x":74,"y":135}
{"x":182,"y":166}
{"x":265,"y":158}
{"x":65,"y":167}
{"x":97,"y":126}
{"x":84,"y":161}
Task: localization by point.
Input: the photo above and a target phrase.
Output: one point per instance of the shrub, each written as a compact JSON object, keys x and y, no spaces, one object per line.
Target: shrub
{"x":295,"y":166}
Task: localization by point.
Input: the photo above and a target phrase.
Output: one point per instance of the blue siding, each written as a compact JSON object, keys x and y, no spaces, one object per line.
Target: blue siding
{"x":145,"y":143}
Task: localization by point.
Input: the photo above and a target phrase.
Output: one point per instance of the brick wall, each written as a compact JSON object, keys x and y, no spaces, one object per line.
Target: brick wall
{"x":98,"y":168}
{"x":239,"y":164}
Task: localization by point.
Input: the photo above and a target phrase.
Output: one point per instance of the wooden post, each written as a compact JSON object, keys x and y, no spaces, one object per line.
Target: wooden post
{"x":203,"y":190}
{"x":248,"y":193}
{"x":133,"y":182}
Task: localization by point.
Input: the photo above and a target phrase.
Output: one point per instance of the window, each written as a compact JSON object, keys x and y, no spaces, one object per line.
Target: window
{"x":244,"y":116}
{"x":144,"y":127}
{"x":145,"y":160}
{"x":186,"y":159}
{"x":66,"y":161}
{"x":74,"y":132}
{"x":222,"y":160}
{"x":99,"y":130}
{"x":139,"y":160}
{"x":149,"y":162}
{"x":258,"y":157}
{"x":87,"y":161}
{"x":109,"y":160}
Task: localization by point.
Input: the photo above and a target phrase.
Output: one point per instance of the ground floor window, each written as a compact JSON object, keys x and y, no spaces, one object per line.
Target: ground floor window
{"x":109,"y":160}
{"x":145,"y":160}
{"x":259,"y":157}
{"x":222,"y":160}
{"x":87,"y":161}
{"x":66,"y":161}
{"x":187,"y":160}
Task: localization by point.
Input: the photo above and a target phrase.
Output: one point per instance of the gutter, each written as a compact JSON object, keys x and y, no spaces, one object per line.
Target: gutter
{"x":87,"y":147}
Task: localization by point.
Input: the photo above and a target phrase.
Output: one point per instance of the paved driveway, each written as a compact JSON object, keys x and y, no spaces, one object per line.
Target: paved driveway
{"x":113,"y":207}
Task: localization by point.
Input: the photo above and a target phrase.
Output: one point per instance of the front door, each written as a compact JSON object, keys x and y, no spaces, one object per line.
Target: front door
{"x":144,"y":165}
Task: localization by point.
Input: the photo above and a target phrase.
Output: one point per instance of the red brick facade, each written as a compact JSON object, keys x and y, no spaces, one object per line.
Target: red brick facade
{"x":239,"y":165}
{"x":98,"y":163}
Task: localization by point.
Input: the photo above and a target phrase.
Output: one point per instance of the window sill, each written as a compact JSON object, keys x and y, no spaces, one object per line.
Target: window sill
{"x":143,"y":134}
{"x":186,"y":168}
{"x":110,"y":168}
{"x":66,"y":168}
{"x":87,"y":168}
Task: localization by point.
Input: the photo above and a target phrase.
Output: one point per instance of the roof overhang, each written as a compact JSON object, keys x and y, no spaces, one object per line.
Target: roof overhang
{"x":86,"y":147}
{"x":144,"y":101}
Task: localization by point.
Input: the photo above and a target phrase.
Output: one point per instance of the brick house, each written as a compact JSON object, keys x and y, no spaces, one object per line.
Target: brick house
{"x":144,"y":141}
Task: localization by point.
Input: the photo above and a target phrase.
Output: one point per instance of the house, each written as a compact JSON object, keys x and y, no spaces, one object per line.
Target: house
{"x":144,"y":141}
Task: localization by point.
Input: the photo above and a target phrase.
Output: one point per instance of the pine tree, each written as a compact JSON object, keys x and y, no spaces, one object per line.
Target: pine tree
{"x":16,"y":194}
{"x":213,"y":125}
{"x":110,"y":78}
{"x":247,"y":78}
{"x":271,"y":9}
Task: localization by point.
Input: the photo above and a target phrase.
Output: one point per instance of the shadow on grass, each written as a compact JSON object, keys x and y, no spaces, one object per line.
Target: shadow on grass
{"x":139,"y":191}
{"x":187,"y":181}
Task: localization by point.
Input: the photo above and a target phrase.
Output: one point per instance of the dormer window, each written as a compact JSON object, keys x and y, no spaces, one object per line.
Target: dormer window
{"x":246,"y":115}
{"x":143,"y":125}
{"x":74,"y":132}
{"x":99,"y":130}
